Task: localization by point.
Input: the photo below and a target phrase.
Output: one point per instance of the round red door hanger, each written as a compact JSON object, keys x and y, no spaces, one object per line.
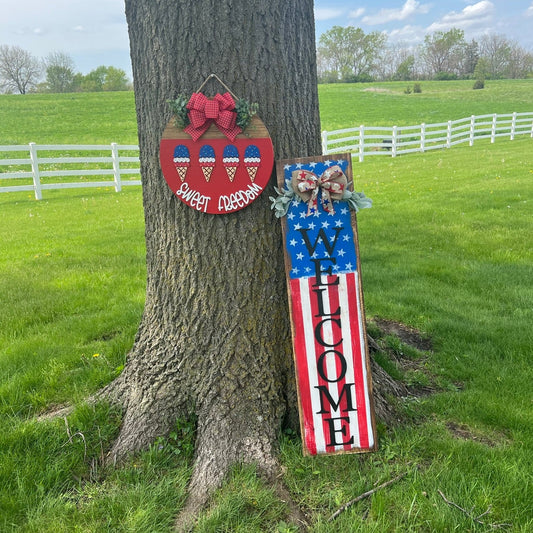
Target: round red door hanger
{"x":215,"y":173}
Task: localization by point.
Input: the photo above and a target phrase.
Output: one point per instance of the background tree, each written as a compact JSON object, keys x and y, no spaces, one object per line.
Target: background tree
{"x":214,"y":339}
{"x":115,"y":80}
{"x":19,"y":70}
{"x":443,"y":52}
{"x":60,"y":72}
{"x":349,"y":52}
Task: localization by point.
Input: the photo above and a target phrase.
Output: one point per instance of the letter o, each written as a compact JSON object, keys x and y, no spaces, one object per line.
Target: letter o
{"x":321,"y":369}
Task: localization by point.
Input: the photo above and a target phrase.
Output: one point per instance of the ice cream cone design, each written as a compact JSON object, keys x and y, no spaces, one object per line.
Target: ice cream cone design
{"x":207,"y":160}
{"x":252,"y":160}
{"x":182,"y":160}
{"x":231,"y":160}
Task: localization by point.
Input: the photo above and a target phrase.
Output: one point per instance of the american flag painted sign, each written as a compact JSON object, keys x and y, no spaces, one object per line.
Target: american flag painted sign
{"x":327,"y":318}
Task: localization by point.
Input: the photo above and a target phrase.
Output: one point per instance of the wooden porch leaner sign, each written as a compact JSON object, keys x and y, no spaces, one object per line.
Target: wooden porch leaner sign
{"x":326,"y":304}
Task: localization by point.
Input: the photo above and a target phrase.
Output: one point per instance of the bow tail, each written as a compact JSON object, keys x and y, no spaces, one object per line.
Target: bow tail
{"x":196,"y":133}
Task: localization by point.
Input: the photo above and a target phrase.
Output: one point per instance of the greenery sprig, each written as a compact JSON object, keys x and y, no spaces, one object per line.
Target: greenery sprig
{"x":281,"y":204}
{"x":244,"y":109}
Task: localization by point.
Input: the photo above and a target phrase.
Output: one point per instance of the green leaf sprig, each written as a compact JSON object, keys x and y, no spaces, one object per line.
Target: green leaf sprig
{"x":244,"y":109}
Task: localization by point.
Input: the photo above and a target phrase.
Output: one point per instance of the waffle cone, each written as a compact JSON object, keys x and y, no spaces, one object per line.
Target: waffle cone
{"x":231,"y":172}
{"x":182,"y":171}
{"x":252,"y":172}
{"x":207,"y":172}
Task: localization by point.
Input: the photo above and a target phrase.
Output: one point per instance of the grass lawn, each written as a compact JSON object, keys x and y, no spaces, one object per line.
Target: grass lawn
{"x":445,"y":249}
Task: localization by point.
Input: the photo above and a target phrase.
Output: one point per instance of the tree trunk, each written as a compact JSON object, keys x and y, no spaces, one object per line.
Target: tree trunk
{"x":214,"y":339}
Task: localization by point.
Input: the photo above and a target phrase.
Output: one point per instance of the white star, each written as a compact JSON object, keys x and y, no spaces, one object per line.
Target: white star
{"x":338,"y":223}
{"x":342,"y":252}
{"x":349,"y":266}
{"x":340,"y":162}
{"x":299,"y":256}
{"x":344,"y":211}
{"x":293,"y":242}
{"x":336,"y":267}
{"x":325,"y":224}
{"x":299,"y":165}
{"x":295,"y":270}
{"x":346,"y":238}
{"x":328,"y":163}
{"x":307,"y":270}
{"x":313,"y":164}
{"x":312,"y":226}
{"x":287,"y":167}
{"x":295,"y":202}
{"x":314,"y":256}
{"x":290,"y":216}
{"x":303,"y":214}
{"x":316,"y":213}
{"x":297,"y":226}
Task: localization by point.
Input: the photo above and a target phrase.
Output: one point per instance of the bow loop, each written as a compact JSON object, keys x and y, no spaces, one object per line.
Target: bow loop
{"x":219,"y":110}
{"x":332,"y":184}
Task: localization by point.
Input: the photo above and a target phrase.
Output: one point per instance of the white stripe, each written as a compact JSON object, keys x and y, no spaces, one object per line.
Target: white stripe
{"x":307,"y":320}
{"x":344,"y":298}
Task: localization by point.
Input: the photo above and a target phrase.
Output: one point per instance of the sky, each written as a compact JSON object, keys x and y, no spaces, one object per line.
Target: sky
{"x":95,"y":33}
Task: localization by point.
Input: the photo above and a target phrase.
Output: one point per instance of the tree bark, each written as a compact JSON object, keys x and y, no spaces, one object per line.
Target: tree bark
{"x":214,"y":339}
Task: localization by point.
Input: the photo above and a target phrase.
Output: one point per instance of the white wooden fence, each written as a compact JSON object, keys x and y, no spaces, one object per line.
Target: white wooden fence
{"x":35,"y":162}
{"x":397,"y":140}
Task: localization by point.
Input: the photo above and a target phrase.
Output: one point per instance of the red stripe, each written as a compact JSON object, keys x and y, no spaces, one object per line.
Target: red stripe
{"x":302,"y":372}
{"x":319,"y":349}
{"x":359,"y":360}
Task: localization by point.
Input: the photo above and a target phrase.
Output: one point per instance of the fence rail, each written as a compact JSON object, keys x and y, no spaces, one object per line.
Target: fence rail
{"x":397,"y":140}
{"x":36,"y":163}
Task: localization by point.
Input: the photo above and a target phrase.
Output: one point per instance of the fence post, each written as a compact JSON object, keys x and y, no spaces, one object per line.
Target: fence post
{"x":493,"y":132}
{"x":449,"y":135}
{"x":393,"y":147}
{"x":361,"y":143}
{"x":513,"y":126}
{"x":422,"y":137}
{"x":324,"y":142}
{"x":472,"y":127}
{"x":116,"y":167}
{"x":35,"y":171}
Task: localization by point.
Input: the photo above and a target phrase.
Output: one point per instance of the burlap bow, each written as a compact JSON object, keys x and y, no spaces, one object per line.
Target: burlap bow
{"x":307,"y":185}
{"x":219,"y":110}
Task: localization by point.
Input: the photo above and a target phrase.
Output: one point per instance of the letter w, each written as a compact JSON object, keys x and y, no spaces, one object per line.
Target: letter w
{"x":330,"y":246}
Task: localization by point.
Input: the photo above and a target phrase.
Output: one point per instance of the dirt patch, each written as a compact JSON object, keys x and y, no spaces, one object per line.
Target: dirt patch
{"x":376,"y":90}
{"x":406,"y":334}
{"x":463,"y":432}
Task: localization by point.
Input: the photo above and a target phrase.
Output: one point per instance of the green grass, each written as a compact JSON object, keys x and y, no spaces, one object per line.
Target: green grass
{"x":386,"y":104}
{"x":446,"y":248}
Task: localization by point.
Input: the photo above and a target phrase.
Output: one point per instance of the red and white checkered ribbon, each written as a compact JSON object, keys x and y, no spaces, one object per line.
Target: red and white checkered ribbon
{"x":218,"y":110}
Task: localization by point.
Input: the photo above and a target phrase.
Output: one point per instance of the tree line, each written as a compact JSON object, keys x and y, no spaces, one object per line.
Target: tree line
{"x":348,"y":54}
{"x":21,"y":72}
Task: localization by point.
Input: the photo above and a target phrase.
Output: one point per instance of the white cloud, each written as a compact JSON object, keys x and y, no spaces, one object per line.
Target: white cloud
{"x":529,"y":11}
{"x":356,"y":13}
{"x":472,"y":15}
{"x":326,"y":13}
{"x":411,"y":7}
{"x":407,"y":34}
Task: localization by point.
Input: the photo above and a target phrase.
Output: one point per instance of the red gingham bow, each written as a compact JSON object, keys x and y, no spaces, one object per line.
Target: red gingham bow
{"x":220,"y":110}
{"x":307,"y":184}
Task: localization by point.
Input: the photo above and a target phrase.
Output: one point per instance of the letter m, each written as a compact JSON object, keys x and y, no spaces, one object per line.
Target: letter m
{"x":325,"y":396}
